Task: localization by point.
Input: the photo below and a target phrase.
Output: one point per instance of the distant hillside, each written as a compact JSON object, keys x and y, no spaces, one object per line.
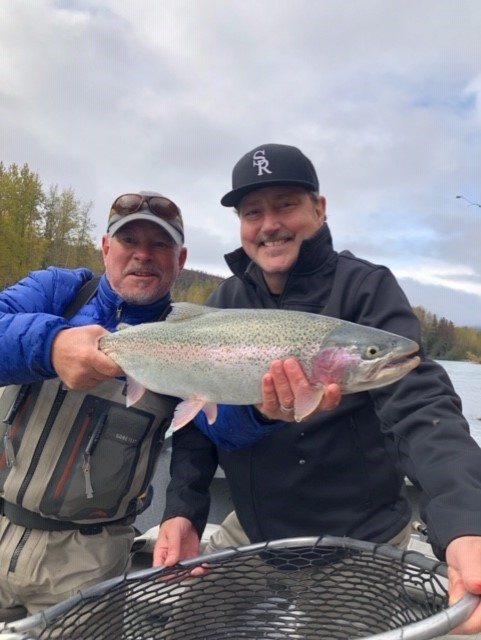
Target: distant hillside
{"x":194,"y":286}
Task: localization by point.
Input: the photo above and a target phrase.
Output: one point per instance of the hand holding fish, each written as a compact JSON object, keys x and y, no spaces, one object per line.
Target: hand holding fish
{"x":283,"y":383}
{"x":77,"y":359}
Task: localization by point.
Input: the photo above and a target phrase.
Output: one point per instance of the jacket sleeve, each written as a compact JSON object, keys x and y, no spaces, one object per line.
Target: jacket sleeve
{"x":192,"y":467}
{"x":237,"y":426}
{"x":30,"y":318}
{"x":423,"y":414}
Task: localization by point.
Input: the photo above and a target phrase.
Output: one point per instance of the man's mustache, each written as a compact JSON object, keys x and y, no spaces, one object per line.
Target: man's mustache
{"x":262,"y":238}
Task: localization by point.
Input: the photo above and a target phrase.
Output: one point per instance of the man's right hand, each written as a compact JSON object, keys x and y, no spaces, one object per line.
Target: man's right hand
{"x":77,"y":359}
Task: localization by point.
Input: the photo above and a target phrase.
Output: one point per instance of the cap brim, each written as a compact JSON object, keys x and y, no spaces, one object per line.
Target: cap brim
{"x":123,"y":220}
{"x":232,"y":198}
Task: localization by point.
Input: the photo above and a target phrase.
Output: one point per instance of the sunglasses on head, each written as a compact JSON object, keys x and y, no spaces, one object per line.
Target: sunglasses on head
{"x":132,"y":202}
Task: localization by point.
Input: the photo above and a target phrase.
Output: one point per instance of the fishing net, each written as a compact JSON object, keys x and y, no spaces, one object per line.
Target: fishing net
{"x":293,"y":589}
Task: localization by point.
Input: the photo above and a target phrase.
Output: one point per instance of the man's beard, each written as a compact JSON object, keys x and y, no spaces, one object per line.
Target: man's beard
{"x":141,"y":297}
{"x":142,"y":293}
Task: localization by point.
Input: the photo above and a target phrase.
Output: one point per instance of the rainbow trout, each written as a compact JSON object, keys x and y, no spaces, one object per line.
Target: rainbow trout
{"x":207,"y":356}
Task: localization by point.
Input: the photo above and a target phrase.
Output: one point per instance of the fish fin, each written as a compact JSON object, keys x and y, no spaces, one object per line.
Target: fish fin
{"x":186,"y":411}
{"x":307,"y":401}
{"x":135,"y":391}
{"x":186,"y":310}
{"x":210,"y":410}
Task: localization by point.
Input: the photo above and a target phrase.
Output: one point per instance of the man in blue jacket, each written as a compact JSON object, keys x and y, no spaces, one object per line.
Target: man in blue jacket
{"x":75,"y":463}
{"x":342,"y":472}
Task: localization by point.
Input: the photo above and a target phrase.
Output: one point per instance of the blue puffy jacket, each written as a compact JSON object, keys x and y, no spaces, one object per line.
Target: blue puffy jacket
{"x":31,"y":316}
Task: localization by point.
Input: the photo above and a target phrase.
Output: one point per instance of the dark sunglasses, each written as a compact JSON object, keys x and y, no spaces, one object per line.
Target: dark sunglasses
{"x":161,"y":207}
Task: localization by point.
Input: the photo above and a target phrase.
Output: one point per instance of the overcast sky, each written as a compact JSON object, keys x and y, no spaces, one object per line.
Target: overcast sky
{"x":114,"y":96}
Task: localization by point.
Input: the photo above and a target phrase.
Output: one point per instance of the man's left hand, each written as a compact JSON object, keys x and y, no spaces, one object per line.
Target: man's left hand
{"x":177,"y":540}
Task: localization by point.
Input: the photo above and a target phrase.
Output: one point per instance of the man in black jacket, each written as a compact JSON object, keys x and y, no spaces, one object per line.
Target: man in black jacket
{"x":339,"y":472}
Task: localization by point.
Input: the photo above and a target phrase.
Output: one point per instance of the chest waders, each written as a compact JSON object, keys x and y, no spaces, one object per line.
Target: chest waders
{"x":78,"y":459}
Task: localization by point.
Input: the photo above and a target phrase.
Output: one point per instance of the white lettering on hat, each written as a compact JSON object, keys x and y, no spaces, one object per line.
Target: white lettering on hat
{"x":261,"y":162}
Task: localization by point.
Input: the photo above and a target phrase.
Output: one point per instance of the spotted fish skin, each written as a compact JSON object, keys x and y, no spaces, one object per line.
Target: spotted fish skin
{"x":208,"y":356}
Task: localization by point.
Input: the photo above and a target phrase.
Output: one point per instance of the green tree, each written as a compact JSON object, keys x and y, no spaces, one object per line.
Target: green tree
{"x":21,"y":202}
{"x":67,"y":229}
{"x":38,"y":230}
{"x":198,"y":292}
{"x":443,"y":340}
{"x":194,"y":286}
{"x":86,"y":253}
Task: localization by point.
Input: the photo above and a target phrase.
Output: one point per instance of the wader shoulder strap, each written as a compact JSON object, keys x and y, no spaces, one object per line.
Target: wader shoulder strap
{"x":84,"y":295}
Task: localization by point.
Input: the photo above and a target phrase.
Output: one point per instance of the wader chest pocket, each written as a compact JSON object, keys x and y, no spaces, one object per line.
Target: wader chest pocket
{"x":96,"y":468}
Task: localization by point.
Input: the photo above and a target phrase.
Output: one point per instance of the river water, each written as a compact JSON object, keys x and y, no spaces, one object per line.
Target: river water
{"x":466,"y":378}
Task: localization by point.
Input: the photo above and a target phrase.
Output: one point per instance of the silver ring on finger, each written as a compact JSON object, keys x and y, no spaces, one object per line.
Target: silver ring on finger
{"x":286,"y":410}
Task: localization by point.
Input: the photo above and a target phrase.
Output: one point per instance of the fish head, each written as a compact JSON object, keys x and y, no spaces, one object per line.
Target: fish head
{"x":359,"y":358}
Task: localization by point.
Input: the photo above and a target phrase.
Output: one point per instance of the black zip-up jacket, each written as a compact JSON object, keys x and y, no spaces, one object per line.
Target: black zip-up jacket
{"x":342,"y":472}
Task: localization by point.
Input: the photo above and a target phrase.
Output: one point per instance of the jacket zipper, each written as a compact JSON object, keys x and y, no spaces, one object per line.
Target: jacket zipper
{"x":18,"y":550}
{"x":158,"y":439}
{"x":89,"y":449}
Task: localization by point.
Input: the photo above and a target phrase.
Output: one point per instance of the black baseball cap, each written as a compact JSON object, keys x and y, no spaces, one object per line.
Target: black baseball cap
{"x":269,"y":165}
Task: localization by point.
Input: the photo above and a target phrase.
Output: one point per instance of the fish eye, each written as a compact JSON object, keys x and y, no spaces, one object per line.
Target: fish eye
{"x":372,"y":351}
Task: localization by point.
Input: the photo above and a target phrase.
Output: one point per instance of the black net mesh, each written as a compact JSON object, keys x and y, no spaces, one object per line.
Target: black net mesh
{"x":299,"y":589}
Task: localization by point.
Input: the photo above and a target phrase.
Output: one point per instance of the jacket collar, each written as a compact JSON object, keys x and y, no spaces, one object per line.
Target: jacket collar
{"x":314,"y":253}
{"x":131,"y":313}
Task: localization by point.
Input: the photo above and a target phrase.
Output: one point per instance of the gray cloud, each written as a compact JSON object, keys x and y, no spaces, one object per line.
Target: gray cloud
{"x":109,"y":96}
{"x":460,"y":308}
